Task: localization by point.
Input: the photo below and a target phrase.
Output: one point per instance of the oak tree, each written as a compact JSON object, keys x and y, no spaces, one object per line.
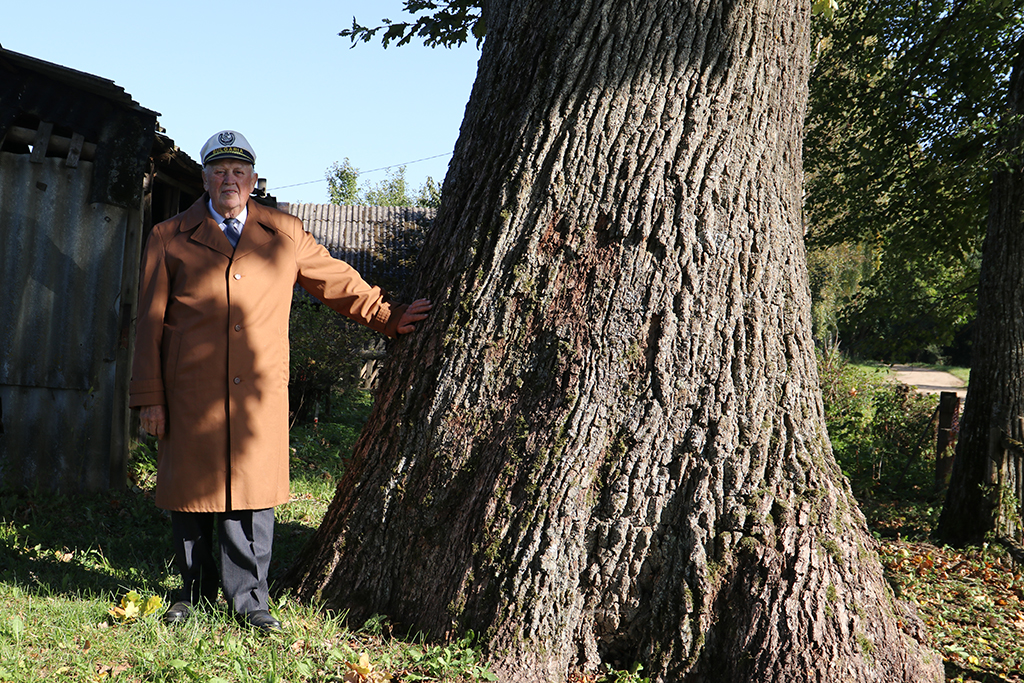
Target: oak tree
{"x":607,"y":445}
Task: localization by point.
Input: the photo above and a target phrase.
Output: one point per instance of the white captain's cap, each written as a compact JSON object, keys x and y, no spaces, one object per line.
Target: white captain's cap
{"x":228,"y":144}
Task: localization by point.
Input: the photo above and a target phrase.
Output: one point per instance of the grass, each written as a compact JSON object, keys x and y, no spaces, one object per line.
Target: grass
{"x":71,"y":638}
{"x":970,"y":600}
{"x":319,"y":451}
{"x":65,"y":562}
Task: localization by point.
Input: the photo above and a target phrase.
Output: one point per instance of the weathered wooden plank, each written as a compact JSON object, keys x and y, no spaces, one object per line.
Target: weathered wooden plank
{"x":41,"y":142}
{"x":75,"y":150}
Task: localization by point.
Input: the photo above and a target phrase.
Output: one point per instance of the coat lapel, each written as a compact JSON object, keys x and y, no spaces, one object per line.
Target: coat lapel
{"x":209,"y":234}
{"x":204,"y":230}
{"x":256,"y":232}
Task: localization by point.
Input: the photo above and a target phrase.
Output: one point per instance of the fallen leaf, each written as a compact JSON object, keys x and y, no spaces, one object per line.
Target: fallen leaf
{"x":153,"y":604}
{"x":363,"y":667}
{"x":131,"y":610}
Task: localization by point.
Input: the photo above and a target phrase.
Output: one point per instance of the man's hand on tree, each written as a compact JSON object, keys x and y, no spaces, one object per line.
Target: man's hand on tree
{"x":416,"y":312}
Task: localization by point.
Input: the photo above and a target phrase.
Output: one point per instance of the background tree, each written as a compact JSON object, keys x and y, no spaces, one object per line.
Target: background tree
{"x":343,"y":188}
{"x":608,"y":443}
{"x":905,"y":97}
{"x":392,"y":191}
{"x":343,"y":184}
{"x":987,"y":483}
{"x":835,"y":273}
{"x":325,"y":348}
{"x":429,"y":194}
{"x":398,"y":244}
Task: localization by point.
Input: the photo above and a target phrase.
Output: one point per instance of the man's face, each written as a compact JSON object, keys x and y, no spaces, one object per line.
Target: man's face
{"x":229,"y":182}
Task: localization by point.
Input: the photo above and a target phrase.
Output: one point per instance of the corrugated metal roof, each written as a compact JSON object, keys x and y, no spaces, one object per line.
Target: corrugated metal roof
{"x":105,"y":88}
{"x":378,"y":241}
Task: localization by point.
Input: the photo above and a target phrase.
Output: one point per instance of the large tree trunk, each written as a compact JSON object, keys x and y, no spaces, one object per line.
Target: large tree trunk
{"x":987,"y":483}
{"x":608,"y":444}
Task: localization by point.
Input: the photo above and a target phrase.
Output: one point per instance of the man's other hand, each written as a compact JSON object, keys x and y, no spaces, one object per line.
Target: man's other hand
{"x":154,"y":420}
{"x":416,"y":312}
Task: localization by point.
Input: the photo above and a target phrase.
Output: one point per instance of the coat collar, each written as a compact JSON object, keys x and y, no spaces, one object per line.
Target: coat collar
{"x":258,"y":229}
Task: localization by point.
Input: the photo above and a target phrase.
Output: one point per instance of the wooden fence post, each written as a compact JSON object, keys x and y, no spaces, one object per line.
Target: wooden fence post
{"x":949,"y":418}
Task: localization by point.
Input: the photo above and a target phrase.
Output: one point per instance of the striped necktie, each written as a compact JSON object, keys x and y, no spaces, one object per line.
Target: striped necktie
{"x":232,"y":231}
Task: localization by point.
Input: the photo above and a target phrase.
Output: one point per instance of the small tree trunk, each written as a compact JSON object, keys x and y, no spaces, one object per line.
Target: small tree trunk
{"x":986,"y":485}
{"x":608,"y":445}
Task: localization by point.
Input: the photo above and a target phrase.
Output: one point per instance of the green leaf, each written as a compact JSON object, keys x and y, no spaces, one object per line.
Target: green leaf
{"x":827,"y":8}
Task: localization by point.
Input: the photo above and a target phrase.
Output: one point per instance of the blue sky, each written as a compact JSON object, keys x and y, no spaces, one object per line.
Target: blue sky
{"x":276,"y":71}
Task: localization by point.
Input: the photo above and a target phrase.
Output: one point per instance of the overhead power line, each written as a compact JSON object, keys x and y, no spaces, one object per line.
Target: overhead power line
{"x":372,"y":170}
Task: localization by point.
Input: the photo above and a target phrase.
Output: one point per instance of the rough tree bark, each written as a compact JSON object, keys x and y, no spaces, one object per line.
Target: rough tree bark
{"x":608,"y":444}
{"x":987,"y":483}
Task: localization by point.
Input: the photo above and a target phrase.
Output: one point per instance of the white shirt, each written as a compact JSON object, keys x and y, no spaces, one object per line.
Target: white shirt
{"x":220,"y":219}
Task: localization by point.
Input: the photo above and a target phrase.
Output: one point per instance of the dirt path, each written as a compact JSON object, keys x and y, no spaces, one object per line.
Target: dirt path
{"x":928,"y":381}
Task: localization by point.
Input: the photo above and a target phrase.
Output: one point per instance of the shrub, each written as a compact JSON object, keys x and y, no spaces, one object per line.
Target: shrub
{"x":902,"y":428}
{"x":328,"y":352}
{"x":876,"y":426}
{"x":847,"y":392}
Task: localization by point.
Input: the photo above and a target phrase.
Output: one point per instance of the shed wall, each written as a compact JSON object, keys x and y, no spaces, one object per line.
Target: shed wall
{"x":62,"y":327}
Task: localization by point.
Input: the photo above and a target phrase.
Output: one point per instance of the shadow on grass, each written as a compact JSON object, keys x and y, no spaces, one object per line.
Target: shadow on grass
{"x":90,"y":544}
{"x":101,"y":544}
{"x":110,"y":543}
{"x":959,"y":673}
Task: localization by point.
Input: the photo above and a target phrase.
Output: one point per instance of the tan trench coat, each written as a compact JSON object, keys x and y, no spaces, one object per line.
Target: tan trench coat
{"x":212,"y":345}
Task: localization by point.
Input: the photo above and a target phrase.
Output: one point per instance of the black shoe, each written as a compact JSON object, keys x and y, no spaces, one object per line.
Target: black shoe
{"x":178,"y":613}
{"x":262,"y":620}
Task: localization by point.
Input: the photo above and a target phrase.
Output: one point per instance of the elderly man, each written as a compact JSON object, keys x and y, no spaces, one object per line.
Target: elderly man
{"x":210,"y":372}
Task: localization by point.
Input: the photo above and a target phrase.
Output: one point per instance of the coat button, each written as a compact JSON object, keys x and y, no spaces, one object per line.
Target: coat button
{"x":237,"y":328}
{"x":238,"y":380}
{"x":238,"y":276}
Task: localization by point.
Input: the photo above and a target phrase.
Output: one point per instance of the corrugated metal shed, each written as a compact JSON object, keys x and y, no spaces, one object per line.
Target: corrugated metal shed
{"x":74,"y":149}
{"x":379,"y":241}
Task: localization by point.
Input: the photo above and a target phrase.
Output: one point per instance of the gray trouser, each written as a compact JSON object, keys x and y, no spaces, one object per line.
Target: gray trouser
{"x":245,"y":537}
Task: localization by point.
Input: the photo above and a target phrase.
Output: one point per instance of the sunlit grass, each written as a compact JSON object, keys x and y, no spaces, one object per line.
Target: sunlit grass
{"x":65,"y":562}
{"x":71,"y":638}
